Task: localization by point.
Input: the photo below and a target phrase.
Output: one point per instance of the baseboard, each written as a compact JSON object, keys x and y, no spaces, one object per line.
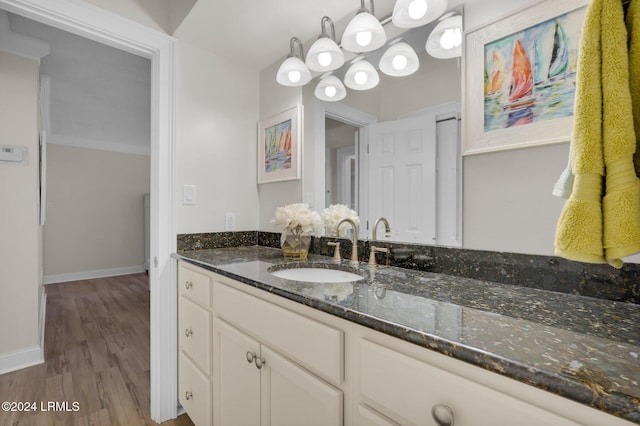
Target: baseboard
{"x":26,"y":357}
{"x":43,"y":316}
{"x":87,"y":275}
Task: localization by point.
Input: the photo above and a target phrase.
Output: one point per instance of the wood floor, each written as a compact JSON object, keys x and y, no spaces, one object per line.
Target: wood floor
{"x":96,"y":354}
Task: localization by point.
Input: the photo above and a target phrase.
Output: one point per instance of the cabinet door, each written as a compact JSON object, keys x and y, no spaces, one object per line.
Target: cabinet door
{"x":238,"y":379}
{"x":406,"y":389}
{"x":293,"y":396}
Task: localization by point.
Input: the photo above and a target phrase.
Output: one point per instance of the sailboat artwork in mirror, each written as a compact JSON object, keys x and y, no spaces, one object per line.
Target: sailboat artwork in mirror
{"x":521,"y":77}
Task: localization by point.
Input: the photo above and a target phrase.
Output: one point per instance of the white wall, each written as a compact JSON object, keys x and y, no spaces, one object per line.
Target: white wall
{"x":508,"y":204}
{"x":20,"y":241}
{"x":216,"y":141}
{"x":95,"y":212}
{"x":274,"y":99}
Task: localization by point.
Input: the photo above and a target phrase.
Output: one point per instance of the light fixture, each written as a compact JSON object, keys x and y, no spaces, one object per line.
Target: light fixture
{"x":325,"y":54}
{"x":445,"y":41}
{"x":399,"y":60}
{"x":415,"y":13}
{"x":293,"y":72}
{"x":361,"y":75}
{"x":330,"y":89}
{"x":364,"y":32}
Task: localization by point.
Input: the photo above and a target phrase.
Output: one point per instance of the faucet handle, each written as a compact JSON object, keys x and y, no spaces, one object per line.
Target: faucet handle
{"x":372,"y":255}
{"x":336,"y":251}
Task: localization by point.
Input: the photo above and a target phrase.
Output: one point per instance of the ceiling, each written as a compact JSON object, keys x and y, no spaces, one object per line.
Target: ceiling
{"x":257,"y":32}
{"x":99,"y":96}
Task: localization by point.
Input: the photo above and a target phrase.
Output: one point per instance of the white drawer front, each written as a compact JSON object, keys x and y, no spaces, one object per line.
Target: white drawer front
{"x":194,"y":391}
{"x":406,"y":389}
{"x":315,"y":346}
{"x":194,"y":285}
{"x":194,"y":333}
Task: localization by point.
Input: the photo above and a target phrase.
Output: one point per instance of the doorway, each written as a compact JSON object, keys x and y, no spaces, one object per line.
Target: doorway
{"x":88,"y":21}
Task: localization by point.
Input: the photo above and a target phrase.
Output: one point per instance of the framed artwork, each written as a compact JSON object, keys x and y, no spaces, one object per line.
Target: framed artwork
{"x":279,"y":142}
{"x":520,"y":78}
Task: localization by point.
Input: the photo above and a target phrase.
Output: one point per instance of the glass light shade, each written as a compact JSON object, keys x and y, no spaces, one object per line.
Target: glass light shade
{"x":293,"y":72}
{"x":445,"y":41}
{"x":399,"y":60}
{"x":361,"y":76}
{"x":330,"y":89}
{"x":364,"y":33}
{"x":324,"y":55}
{"x":409,"y":13}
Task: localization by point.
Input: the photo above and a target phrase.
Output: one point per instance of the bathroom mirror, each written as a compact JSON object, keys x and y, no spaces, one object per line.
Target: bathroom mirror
{"x":417,"y":188}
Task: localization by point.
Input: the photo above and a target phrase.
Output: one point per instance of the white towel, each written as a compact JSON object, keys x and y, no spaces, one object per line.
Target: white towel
{"x":564,"y":185}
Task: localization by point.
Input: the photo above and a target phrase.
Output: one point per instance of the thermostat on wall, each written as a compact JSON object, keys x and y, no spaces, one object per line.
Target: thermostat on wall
{"x":13,"y":154}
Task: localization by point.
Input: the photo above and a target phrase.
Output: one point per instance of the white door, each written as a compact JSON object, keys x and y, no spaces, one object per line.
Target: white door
{"x":402,"y":177}
{"x":238,"y":395}
{"x":293,"y":396}
{"x":347,"y":173}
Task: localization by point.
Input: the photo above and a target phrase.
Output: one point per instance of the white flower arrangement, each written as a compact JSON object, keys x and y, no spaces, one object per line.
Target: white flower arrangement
{"x":334,"y":214}
{"x":299,"y":219}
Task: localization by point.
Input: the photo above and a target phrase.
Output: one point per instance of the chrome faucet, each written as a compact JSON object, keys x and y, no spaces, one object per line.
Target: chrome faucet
{"x":354,"y":243}
{"x":387,"y":229}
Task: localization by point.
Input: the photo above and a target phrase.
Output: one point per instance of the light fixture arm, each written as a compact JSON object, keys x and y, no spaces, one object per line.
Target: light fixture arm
{"x":364,"y":9}
{"x":323,"y":22}
{"x":292,"y":44}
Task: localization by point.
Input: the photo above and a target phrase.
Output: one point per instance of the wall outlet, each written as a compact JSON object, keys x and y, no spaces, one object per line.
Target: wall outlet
{"x":229,"y":221}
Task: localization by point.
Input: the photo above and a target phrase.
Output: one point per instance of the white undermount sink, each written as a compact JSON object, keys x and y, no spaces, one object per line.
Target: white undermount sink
{"x":317,"y":275}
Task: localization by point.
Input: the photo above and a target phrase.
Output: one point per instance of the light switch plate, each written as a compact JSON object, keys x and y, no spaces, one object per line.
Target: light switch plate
{"x":189,"y":194}
{"x":229,"y":221}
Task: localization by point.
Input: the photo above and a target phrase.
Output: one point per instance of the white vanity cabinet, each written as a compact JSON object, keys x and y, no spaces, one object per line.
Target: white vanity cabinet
{"x":270,"y":361}
{"x":405,"y":390}
{"x":273,"y":366}
{"x":194,"y":343}
{"x":258,"y":386}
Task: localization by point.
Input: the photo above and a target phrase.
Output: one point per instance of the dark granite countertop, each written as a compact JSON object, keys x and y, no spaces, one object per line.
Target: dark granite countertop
{"x":578,"y":347}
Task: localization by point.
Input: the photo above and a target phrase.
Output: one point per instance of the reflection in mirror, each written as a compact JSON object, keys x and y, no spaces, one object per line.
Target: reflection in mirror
{"x":393,"y":151}
{"x":341,"y":174}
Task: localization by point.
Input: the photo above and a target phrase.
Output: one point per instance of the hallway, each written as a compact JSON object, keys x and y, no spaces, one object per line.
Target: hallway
{"x":97,"y":358}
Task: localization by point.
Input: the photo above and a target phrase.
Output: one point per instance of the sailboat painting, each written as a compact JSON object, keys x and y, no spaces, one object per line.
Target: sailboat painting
{"x":530,"y":75}
{"x":277,"y":147}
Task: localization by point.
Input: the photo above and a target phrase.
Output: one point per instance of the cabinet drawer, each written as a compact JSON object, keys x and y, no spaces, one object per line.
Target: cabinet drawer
{"x":406,"y":389}
{"x":315,"y":346}
{"x":194,"y":391}
{"x":194,"y":285}
{"x":194,"y":333}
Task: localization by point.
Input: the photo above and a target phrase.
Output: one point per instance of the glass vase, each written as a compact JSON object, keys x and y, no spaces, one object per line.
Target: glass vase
{"x":294,"y":246}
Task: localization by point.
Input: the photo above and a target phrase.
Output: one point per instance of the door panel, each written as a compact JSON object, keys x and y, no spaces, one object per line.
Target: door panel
{"x":402,"y":177}
{"x":293,"y":396}
{"x":239,"y":381}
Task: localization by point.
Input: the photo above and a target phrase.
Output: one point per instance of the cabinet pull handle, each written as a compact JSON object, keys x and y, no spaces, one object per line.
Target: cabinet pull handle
{"x":188,"y":395}
{"x":442,"y":415}
{"x":188,"y":285}
{"x":260,"y":362}
{"x":188,"y":332}
{"x":251,"y":356}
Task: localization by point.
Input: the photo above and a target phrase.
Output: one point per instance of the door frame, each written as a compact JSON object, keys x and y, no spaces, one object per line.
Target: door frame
{"x":92,"y":22}
{"x":353,"y":117}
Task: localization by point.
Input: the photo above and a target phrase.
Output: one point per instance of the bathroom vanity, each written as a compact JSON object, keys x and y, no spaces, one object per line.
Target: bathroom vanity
{"x":395,"y":347}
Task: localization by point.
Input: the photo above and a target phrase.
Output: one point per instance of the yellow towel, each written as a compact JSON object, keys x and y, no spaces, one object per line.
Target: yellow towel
{"x":591,"y":228}
{"x":633,"y":28}
{"x":579,"y":230}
